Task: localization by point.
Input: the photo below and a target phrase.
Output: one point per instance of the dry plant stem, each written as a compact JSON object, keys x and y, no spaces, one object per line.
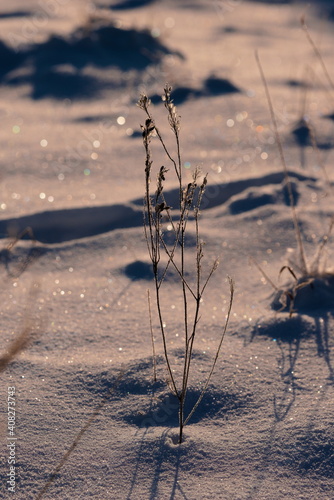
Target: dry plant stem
{"x":322,"y":245}
{"x":152,"y":338}
{"x":321,"y":163}
{"x":6,"y":252}
{"x":19,"y":344}
{"x":217,"y":353}
{"x":21,"y":235}
{"x":198,"y":296}
{"x":22,"y":341}
{"x":264,"y":274}
{"x":154,"y":223}
{"x":153,"y":236}
{"x":311,"y":129}
{"x":285,"y":170}
{"x":316,"y":51}
{"x":156,"y":209}
{"x":184,"y":212}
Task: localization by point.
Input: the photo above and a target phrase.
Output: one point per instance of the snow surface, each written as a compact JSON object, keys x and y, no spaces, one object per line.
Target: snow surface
{"x":72,"y":168}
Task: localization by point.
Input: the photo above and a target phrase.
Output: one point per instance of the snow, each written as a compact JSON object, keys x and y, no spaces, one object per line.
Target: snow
{"x":90,"y":418}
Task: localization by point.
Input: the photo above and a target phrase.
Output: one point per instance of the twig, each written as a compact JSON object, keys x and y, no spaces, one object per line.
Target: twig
{"x":25,"y":337}
{"x":285,"y":169}
{"x":316,"y":51}
{"x":152,"y":338}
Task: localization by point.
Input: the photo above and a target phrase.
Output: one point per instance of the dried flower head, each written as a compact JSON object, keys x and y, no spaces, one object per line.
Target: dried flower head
{"x":143,"y":102}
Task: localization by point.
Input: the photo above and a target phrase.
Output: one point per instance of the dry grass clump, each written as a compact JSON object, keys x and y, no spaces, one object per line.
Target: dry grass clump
{"x":313,"y":283}
{"x":27,"y":334}
{"x":171,"y":252}
{"x":19,"y":344}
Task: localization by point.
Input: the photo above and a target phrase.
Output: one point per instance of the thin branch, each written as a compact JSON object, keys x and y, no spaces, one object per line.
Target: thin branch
{"x":217,"y":353}
{"x":152,"y":338}
{"x":264,"y":274}
{"x":316,"y":51}
{"x":285,"y":170}
{"x":26,"y":336}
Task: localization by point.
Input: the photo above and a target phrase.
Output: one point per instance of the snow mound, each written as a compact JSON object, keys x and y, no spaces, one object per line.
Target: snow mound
{"x":313,"y":296}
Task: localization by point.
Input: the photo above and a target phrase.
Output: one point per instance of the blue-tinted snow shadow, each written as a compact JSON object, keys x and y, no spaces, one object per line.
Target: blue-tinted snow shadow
{"x":130,"y":4}
{"x":15,"y":13}
{"x":62,"y":66}
{"x":221,"y":193}
{"x":212,"y":86}
{"x":58,"y":226}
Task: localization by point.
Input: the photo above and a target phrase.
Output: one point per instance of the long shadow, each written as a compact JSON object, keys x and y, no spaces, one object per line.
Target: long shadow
{"x":177,"y":453}
{"x":314,"y":452}
{"x":288,"y":336}
{"x":161,"y":454}
{"x":131,"y":4}
{"x":136,"y":468}
{"x":316,"y":300}
{"x":14,"y":14}
{"x":64,"y":225}
{"x":160,"y":411}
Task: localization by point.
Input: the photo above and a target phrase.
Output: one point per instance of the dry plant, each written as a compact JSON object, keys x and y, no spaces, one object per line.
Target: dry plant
{"x":304,"y":274}
{"x":6,"y":253}
{"x":171,"y":252}
{"x":317,"y":52}
{"x":309,"y":126}
{"x":27,"y":334}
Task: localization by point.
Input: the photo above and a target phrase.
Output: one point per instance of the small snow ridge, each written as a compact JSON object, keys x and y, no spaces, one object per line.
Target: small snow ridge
{"x":58,"y":226}
{"x":252,"y":198}
{"x":260,"y":186}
